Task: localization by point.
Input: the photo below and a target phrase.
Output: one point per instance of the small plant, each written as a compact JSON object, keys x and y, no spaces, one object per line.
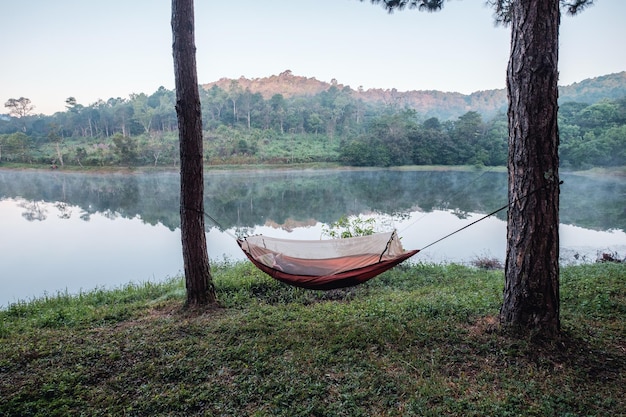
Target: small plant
{"x":487,"y":263}
{"x":610,"y":257}
{"x":350,"y":227}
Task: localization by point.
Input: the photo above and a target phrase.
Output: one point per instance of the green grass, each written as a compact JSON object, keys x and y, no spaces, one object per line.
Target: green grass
{"x":420,"y":340}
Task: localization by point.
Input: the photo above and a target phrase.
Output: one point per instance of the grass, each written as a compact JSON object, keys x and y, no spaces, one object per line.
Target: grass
{"x":420,"y":340}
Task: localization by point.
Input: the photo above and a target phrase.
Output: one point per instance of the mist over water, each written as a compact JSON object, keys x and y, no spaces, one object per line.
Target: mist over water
{"x":75,"y":232}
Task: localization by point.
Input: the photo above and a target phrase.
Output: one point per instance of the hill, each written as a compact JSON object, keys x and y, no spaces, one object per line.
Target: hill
{"x":444,"y":105}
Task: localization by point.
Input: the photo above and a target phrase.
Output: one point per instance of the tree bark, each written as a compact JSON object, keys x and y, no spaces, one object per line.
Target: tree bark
{"x":531,"y":293}
{"x":198,"y":280}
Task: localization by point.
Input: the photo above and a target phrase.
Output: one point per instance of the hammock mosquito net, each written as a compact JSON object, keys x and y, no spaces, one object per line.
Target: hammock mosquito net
{"x":325,"y":264}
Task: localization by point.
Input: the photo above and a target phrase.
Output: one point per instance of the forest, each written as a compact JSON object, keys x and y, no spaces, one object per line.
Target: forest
{"x":335,"y":125}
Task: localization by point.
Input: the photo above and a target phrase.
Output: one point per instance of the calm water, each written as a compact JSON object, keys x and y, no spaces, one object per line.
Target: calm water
{"x":75,"y":232}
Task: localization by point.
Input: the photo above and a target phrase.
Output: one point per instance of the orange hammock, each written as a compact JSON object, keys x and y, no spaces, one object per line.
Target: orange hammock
{"x":325,"y":264}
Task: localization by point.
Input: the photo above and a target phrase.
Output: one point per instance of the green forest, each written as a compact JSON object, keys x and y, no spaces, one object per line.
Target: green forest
{"x":332,"y":126}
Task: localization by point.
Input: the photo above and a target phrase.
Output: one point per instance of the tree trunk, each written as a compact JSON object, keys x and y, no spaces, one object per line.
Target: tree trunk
{"x":531,"y":293}
{"x":59,"y":154}
{"x":198,"y":280}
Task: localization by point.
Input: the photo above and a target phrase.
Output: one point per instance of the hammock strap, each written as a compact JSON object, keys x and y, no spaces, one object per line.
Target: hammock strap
{"x":490,"y":214}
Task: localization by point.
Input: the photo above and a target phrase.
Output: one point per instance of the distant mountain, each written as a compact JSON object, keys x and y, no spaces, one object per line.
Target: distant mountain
{"x":427,"y":102}
{"x":285,"y":83}
{"x":592,"y":90}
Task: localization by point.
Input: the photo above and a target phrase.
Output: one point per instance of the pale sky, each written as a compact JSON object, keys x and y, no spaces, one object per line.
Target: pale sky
{"x":97,"y":49}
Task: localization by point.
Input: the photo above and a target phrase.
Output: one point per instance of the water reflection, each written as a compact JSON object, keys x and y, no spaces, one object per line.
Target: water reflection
{"x":79,"y":231}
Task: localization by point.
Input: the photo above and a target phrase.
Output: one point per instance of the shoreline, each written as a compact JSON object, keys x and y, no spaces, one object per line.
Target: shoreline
{"x":595,"y":171}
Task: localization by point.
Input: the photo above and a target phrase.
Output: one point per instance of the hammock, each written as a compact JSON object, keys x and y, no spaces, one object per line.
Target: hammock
{"x":334,"y":263}
{"x":325,"y":264}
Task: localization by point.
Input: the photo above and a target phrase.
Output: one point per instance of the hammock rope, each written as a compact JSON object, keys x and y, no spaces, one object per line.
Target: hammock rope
{"x":218,"y":224}
{"x":491,"y":214}
{"x":460,"y":189}
{"x":466,"y":226}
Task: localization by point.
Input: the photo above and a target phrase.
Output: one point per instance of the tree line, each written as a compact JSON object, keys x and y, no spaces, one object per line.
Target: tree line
{"x":243,"y":127}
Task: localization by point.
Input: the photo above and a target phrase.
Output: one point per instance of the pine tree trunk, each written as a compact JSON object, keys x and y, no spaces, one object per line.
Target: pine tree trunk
{"x":198,"y":280}
{"x":531,"y":293}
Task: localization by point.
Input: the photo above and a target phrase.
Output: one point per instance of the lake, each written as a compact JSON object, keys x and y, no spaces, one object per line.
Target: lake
{"x":75,"y":232}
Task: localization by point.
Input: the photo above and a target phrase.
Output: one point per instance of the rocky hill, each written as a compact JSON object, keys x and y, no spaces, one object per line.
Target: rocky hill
{"x":430,"y":103}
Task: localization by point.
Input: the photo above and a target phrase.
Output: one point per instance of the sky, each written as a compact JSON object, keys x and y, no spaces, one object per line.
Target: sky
{"x":98,"y":49}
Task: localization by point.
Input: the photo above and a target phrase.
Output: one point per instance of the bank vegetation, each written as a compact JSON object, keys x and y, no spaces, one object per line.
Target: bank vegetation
{"x":420,"y":340}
